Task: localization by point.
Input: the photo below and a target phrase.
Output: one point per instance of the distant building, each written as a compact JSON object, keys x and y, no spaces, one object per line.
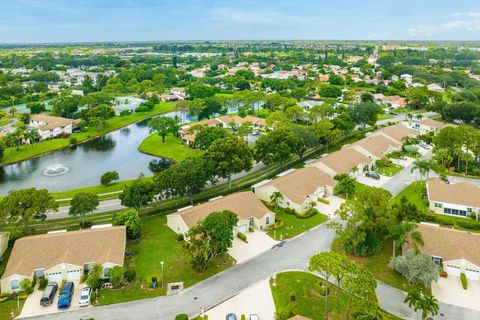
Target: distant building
{"x":50,"y":126}
{"x":435,"y":87}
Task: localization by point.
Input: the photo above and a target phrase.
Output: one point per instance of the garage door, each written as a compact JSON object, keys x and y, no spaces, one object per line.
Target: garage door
{"x":243,"y":228}
{"x":55,"y":277}
{"x":472,"y":274}
{"x":73,"y":275}
{"x":454,"y":271}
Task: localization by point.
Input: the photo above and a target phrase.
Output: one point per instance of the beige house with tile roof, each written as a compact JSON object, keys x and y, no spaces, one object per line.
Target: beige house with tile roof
{"x":341,"y":161}
{"x":427,"y":125}
{"x":458,"y":199}
{"x":456,"y":250}
{"x":376,"y":146}
{"x":298,"y":188}
{"x":396,"y":133}
{"x":250,"y":210}
{"x":50,"y":126}
{"x":63,"y":255}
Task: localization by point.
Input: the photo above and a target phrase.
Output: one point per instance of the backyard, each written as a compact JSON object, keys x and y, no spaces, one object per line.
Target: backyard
{"x":158,"y":243}
{"x":173,"y":148}
{"x":413,"y":193}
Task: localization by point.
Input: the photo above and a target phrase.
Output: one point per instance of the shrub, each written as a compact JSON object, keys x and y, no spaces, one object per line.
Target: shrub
{"x":43,"y":283}
{"x":115,"y":275}
{"x":23,"y":295}
{"x":131,"y":220}
{"x":83,"y":278}
{"x":323,"y":200}
{"x":250,"y":229}
{"x":61,"y":285}
{"x":129,"y":275}
{"x":443,"y":274}
{"x":463,"y":279}
{"x":307,"y":214}
{"x":242,"y":237}
{"x":416,"y":268}
{"x":108,"y":177}
{"x":179,"y":237}
{"x":86,"y":224}
{"x":243,"y":317}
{"x":26,"y":286}
{"x":277,"y":225}
{"x":293,"y":298}
{"x":4,"y":298}
{"x":72,"y":140}
{"x":370,"y":247}
{"x":181,"y":316}
{"x":34,"y":282}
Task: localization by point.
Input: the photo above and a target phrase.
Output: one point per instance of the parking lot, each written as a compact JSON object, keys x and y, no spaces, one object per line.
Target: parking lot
{"x":32,"y":305}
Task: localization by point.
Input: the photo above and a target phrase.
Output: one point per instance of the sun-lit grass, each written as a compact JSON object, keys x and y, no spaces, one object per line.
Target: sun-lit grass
{"x":173,"y":148}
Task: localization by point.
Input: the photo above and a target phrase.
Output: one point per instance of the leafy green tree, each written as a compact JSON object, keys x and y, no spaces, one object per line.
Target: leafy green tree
{"x":186,"y":178}
{"x":229,"y":156}
{"x":207,"y":135}
{"x":137,"y":194}
{"x":367,"y":97}
{"x":401,"y":233}
{"x":99,"y":115}
{"x":346,"y":185}
{"x":131,"y":220}
{"x":24,"y":205}
{"x":365,"y":114}
{"x":211,"y":238}
{"x":416,"y":268}
{"x":163,"y":126}
{"x":275,"y":197}
{"x":83,"y":203}
{"x":158,"y":165}
{"x":308,"y":140}
{"x":94,"y":276}
{"x":277,"y":146}
{"x":2,"y":149}
{"x":65,"y":105}
{"x":115,"y":276}
{"x":108,"y":177}
{"x":417,"y":300}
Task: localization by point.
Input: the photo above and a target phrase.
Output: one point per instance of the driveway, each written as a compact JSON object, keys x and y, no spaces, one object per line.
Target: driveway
{"x":254,"y":300}
{"x":329,"y":209}
{"x":32,"y":305}
{"x":258,"y":242}
{"x":449,"y":290}
{"x":372,"y":182}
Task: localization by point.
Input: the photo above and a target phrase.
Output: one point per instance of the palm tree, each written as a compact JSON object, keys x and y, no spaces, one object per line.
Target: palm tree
{"x":403,"y":233}
{"x":418,"y":165}
{"x":467,"y":157}
{"x":276,"y":197}
{"x":417,"y":300}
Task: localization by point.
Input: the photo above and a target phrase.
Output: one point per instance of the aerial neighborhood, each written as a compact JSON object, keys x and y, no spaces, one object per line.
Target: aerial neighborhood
{"x":240,"y":179}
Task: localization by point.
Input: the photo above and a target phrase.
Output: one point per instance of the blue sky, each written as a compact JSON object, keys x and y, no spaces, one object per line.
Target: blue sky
{"x":139,"y":20}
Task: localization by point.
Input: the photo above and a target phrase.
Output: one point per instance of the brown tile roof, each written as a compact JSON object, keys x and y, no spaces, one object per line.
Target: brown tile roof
{"x":298,"y":317}
{"x":450,"y":244}
{"x":51,"y":122}
{"x":431,"y":123}
{"x":397,"y":132}
{"x":344,"y":160}
{"x":244,"y":204}
{"x":378,"y":145}
{"x":75,"y":247}
{"x":463,"y":193}
{"x":298,"y":184}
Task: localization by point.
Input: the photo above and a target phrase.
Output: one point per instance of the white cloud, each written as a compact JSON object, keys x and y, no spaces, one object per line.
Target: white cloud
{"x":458,"y":25}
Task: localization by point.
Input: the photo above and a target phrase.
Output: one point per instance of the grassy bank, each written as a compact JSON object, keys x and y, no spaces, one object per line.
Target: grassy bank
{"x":13,"y":155}
{"x":173,"y":148}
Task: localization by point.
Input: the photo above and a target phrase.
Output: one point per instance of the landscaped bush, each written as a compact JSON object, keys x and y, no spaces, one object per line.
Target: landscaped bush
{"x":129,"y":275}
{"x":443,"y":274}
{"x":4,"y":297}
{"x":243,"y":317}
{"x":131,"y":220}
{"x":72,"y":140}
{"x":463,"y":279}
{"x":180,"y":237}
{"x":26,"y":286}
{"x":307,"y":214}
{"x":115,"y":276}
{"x":86,"y":224}
{"x":370,"y":247}
{"x":250,"y":229}
{"x":277,"y":225}
{"x":181,"y":316}
{"x":242,"y":237}
{"x":323,"y":200}
{"x":416,"y":268}
{"x":42,"y":283}
{"x":34,"y":282}
{"x":453,"y":221}
{"x":83,"y":278}
{"x":23,"y":295}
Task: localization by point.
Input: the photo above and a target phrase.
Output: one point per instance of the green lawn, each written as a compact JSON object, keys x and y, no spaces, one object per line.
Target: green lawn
{"x":389,"y":170}
{"x":158,"y":243}
{"x":6,"y":308}
{"x":173,"y":148}
{"x":384,"y":116}
{"x":13,"y":155}
{"x":379,"y":265}
{"x":4,"y":122}
{"x":308,"y":301}
{"x":414,"y":194}
{"x":293,"y":225}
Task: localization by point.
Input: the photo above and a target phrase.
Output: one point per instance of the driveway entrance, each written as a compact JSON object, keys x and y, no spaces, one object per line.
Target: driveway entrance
{"x":258,"y":242}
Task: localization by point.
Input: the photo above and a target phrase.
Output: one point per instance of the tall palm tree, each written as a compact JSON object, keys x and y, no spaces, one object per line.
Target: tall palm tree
{"x":418,"y":165}
{"x":417,"y":300}
{"x":276,"y":197}
{"x":404,"y":232}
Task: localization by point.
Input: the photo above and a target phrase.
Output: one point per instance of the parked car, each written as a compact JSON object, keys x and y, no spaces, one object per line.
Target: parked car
{"x":373,"y":175}
{"x":253,"y":317}
{"x":255,"y":133}
{"x":66,"y":295}
{"x":231,"y":316}
{"x":49,"y":294}
{"x":85,"y":295}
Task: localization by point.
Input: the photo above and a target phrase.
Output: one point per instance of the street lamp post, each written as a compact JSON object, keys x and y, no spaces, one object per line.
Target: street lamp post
{"x":161,"y":263}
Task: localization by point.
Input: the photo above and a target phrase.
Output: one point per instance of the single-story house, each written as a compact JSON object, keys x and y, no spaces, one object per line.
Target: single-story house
{"x":428,"y":125}
{"x":435,"y":87}
{"x":298,"y":188}
{"x":250,"y":210}
{"x":342,"y":161}
{"x":4,"y":238}
{"x":393,"y":101}
{"x":458,"y":199}
{"x":456,"y":250}
{"x":63,"y":255}
{"x":376,"y":146}
{"x":50,"y":126}
{"x":396,"y":133}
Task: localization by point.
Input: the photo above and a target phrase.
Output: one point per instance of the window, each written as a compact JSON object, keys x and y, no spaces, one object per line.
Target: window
{"x":437,"y":260}
{"x":267,"y":221}
{"x":469,"y":210}
{"x":105,"y":272}
{"x":455,"y":212}
{"x":15,"y":284}
{"x":438,"y":205}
